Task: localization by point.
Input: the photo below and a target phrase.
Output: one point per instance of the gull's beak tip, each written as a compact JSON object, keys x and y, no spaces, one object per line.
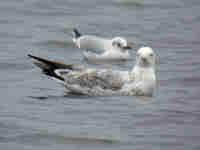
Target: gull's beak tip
{"x":127,"y":47}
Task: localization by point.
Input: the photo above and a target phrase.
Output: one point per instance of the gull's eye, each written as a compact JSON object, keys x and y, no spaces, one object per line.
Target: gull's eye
{"x":151,"y":54}
{"x":118,"y":44}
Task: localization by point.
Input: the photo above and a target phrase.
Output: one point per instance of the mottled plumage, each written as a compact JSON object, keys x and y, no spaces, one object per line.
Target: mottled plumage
{"x":100,"y":82}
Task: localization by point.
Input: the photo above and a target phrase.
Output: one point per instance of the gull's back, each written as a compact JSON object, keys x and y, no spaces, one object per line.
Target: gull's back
{"x":95,"y":43}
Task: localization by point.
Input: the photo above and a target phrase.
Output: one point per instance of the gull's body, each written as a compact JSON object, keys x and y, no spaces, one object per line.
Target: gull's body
{"x":141,"y":80}
{"x":114,"y":49}
{"x":107,"y":56}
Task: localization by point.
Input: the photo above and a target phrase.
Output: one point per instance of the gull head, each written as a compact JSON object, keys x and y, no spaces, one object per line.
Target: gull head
{"x":120,"y":43}
{"x":145,"y":57}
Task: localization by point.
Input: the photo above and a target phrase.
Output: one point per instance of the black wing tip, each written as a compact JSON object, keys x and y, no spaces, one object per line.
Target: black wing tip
{"x":47,"y":67}
{"x":77,"y":33}
{"x":29,"y":55}
{"x":52,"y":64}
{"x":32,"y":56}
{"x":35,"y":57}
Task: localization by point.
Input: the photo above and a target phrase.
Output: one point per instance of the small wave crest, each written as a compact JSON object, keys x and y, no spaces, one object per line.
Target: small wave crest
{"x":147,"y":4}
{"x":130,"y":3}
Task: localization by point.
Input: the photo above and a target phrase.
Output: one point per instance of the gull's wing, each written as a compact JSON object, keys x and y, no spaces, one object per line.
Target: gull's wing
{"x":105,"y":58}
{"x":93,"y":82}
{"x":50,"y":67}
{"x":94,"y":43}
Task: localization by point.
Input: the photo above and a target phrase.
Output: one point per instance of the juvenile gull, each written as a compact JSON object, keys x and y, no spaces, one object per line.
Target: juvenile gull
{"x":140,"y":81}
{"x":111,"y":49}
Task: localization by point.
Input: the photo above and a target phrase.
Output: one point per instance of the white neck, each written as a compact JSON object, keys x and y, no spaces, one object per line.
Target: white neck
{"x":144,"y":79}
{"x":143,"y":73}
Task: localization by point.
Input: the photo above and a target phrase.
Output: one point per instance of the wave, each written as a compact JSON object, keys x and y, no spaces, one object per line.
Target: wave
{"x":148,"y":4}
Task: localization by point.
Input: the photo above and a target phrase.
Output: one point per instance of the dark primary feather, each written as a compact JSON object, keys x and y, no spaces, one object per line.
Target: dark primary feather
{"x":48,"y":67}
{"x":53,"y":64}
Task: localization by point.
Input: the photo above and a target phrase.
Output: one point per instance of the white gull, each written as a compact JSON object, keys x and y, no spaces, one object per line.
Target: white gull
{"x":116,"y":48}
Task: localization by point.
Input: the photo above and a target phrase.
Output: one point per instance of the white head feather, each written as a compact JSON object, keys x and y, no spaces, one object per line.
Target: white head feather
{"x":144,"y":70}
{"x":145,"y":57}
{"x":119,"y":41}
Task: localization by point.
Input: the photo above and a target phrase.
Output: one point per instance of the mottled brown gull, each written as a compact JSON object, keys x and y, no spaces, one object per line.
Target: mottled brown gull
{"x":140,"y":81}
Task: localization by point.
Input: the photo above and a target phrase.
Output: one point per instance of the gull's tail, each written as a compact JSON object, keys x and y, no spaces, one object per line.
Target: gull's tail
{"x":76,"y":33}
{"x":51,"y":68}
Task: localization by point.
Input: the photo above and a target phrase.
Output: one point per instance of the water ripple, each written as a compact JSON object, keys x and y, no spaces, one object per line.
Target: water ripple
{"x":56,"y":43}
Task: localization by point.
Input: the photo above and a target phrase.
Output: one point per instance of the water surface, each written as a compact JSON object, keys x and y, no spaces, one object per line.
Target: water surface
{"x":35,"y":114}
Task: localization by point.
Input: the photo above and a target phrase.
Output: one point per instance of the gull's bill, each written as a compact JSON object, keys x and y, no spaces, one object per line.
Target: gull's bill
{"x":127,"y":47}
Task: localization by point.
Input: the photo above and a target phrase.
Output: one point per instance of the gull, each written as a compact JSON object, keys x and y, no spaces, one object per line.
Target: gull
{"x":81,"y":80}
{"x":116,"y":48}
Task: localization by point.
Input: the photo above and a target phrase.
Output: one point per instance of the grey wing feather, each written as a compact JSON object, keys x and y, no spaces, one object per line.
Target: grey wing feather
{"x":94,"y":80}
{"x":96,"y":91}
{"x":94,"y":43}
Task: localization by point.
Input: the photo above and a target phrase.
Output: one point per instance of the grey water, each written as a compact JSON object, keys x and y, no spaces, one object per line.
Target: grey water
{"x":36,"y":115}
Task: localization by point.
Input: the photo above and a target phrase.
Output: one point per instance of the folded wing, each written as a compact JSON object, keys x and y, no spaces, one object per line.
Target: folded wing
{"x":90,"y":82}
{"x":94,"y":43}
